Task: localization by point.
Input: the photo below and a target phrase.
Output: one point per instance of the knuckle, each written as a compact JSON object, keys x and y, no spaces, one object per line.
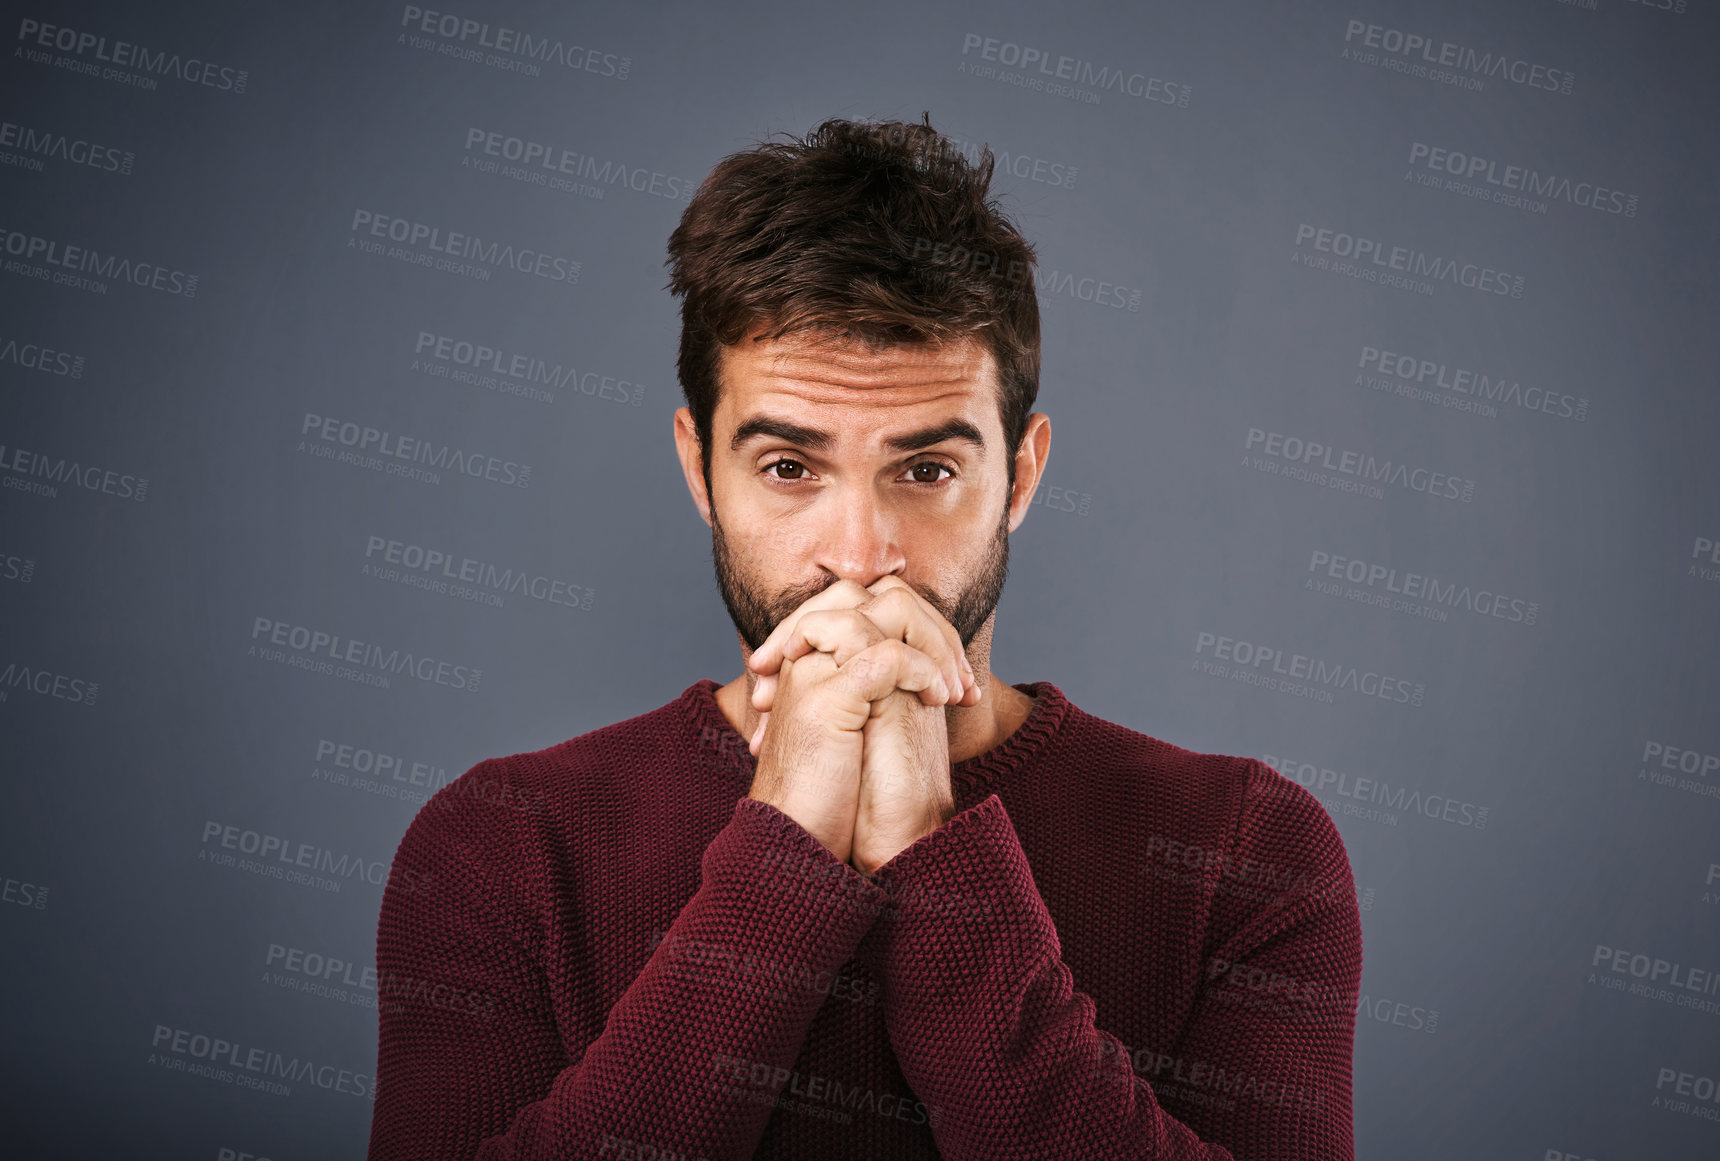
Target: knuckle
{"x":848,"y":588}
{"x":864,"y":665}
{"x":872,"y":661}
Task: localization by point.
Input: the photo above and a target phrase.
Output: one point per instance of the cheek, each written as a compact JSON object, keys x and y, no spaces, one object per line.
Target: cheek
{"x":785,"y":547}
{"x":939,"y":565}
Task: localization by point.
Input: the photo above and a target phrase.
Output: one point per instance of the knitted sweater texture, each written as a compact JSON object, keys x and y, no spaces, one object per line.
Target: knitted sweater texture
{"x":1115,"y":948}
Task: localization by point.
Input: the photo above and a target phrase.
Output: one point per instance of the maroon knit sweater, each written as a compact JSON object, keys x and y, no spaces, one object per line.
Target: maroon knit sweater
{"x":1116,"y":948}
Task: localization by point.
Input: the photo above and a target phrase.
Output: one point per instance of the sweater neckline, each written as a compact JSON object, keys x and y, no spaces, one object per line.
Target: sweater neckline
{"x":1050,"y":706}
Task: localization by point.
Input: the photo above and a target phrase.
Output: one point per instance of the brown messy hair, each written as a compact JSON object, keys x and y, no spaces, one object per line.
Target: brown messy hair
{"x":876,"y":231}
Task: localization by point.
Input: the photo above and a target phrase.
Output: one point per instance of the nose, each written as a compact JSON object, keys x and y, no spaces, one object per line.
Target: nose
{"x":858,"y":538}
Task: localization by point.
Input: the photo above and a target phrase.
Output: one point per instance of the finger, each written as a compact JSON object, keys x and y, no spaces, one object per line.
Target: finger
{"x":765,"y":688}
{"x":839,"y":632}
{"x":931,"y":621}
{"x":844,"y":594}
{"x":902,"y":612}
{"x":757,"y":738}
{"x":890,"y":665}
{"x":764,"y":691}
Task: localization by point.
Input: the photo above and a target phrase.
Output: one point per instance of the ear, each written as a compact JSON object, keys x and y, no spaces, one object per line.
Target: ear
{"x":1029,"y":466}
{"x":692,"y":461}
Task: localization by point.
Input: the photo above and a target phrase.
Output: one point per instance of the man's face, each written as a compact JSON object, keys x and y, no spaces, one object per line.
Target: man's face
{"x":832,"y":461}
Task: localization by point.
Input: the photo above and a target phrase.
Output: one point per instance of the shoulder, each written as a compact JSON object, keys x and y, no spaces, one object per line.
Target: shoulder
{"x":1207,"y":790}
{"x":1222,"y":813}
{"x":516,"y":797}
{"x":498,"y":839}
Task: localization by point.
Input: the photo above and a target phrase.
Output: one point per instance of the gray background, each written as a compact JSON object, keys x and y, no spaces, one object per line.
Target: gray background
{"x":1488,"y":1029}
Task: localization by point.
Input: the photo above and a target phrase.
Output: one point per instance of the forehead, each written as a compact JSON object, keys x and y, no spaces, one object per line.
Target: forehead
{"x":824,"y":370}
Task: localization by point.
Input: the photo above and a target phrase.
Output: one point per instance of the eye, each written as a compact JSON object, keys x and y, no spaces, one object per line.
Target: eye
{"x":936,"y":466}
{"x":782,"y":463}
{"x":920,"y":467}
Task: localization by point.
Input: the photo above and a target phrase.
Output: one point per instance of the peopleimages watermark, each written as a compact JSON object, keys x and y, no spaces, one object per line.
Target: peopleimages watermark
{"x":1397,"y":1013}
{"x":1433,"y":380}
{"x":509,"y":49}
{"x":1656,"y":978}
{"x":615,"y":1148}
{"x":1705,"y":552}
{"x":38,"y":357}
{"x":1417,"y":594}
{"x":318,"y":651}
{"x":1266,"y":989}
{"x":1171,"y":860}
{"x":119,"y":60}
{"x":1373,"y":260}
{"x":1704,"y":1089}
{"x":1374,"y":799}
{"x":1197,"y":1082}
{"x":41,"y":474}
{"x":803,"y":875}
{"x":19,"y":893}
{"x":1445,"y":61}
{"x":376,"y":772}
{"x":567,"y":170}
{"x":1299,"y":673}
{"x":1279,"y":993}
{"x":825,"y":1097}
{"x":1062,"y":498}
{"x":1663,"y":763}
{"x":942,"y":260}
{"x":454,"y":251}
{"x":1041,"y":170}
{"x":47,"y":683}
{"x":313,"y":973}
{"x":345,"y":981}
{"x":1074,"y":78}
{"x":1518,"y":186}
{"x":229,"y":1061}
{"x":510,"y":372}
{"x":17,"y":568}
{"x":306,"y":864}
{"x":438,"y":571}
{"x":380,"y":450}
{"x":82,"y":268}
{"x":1312,"y":462}
{"x":710,"y":962}
{"x":34,"y":145}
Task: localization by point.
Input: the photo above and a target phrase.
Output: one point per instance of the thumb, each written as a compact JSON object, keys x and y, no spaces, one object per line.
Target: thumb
{"x":757,"y":739}
{"x":764,"y":691}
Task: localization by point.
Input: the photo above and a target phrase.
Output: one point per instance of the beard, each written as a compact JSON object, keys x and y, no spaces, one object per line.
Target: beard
{"x":757,"y":614}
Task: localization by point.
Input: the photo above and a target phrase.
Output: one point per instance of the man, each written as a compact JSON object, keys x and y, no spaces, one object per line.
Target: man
{"x":865,"y":900}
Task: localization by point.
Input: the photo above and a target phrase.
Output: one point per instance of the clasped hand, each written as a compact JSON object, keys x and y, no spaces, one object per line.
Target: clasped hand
{"x":852,"y":742}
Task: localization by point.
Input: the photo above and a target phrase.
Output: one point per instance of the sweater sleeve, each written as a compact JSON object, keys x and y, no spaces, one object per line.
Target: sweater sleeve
{"x":470,"y":1060}
{"x":991,"y":1033}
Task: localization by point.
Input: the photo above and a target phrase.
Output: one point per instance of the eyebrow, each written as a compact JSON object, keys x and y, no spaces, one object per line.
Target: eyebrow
{"x":822,"y":441}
